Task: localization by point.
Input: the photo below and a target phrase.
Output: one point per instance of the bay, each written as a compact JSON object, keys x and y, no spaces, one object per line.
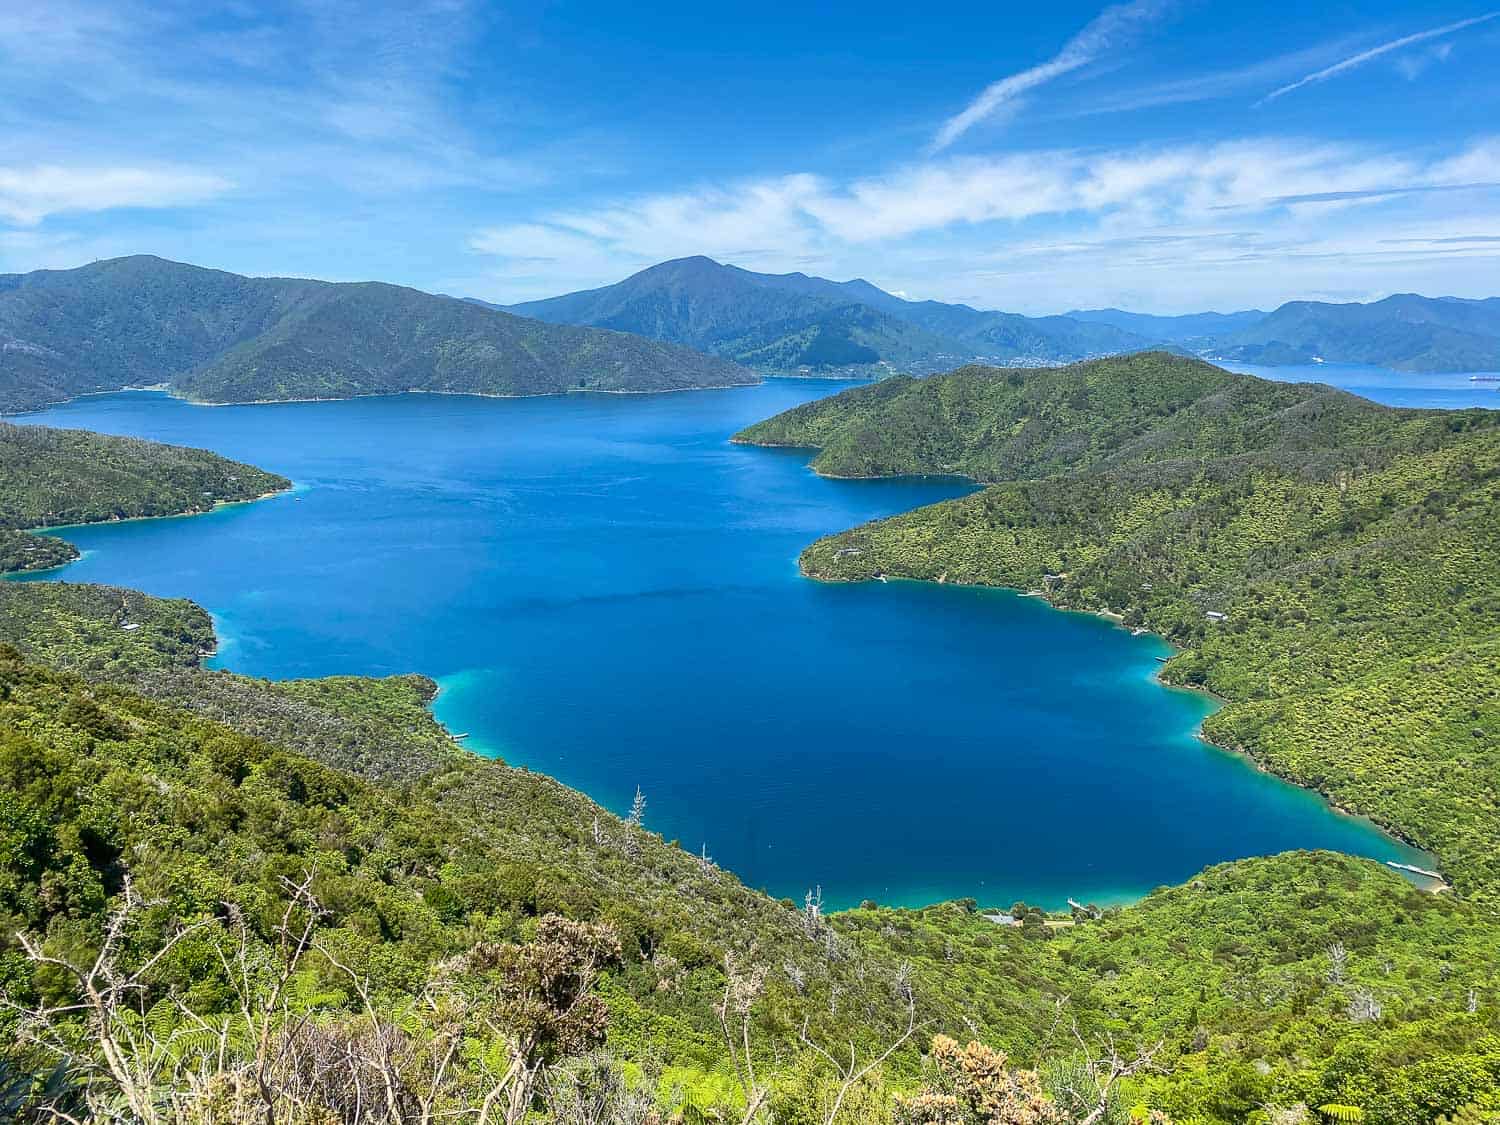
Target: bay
{"x":607,"y":591}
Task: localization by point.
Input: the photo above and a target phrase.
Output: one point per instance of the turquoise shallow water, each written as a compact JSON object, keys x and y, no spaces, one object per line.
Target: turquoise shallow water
{"x":607,"y":591}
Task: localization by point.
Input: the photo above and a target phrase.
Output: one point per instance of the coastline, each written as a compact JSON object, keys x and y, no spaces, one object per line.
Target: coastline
{"x":1106,"y":613}
{"x":791,"y":445}
{"x":465,"y":394}
{"x":166,"y":388}
{"x":45,"y":529}
{"x":1118,"y":619}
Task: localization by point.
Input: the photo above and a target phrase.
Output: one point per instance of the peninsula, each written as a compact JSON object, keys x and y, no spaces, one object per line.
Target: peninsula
{"x":1326,"y":565}
{"x":52,"y":478}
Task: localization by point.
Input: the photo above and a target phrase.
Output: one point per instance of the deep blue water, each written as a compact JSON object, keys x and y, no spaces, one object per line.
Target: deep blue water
{"x":608,"y":592}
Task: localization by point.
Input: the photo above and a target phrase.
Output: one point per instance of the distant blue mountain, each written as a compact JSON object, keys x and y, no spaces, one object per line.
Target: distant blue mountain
{"x":1177,"y":329}
{"x":780,"y":323}
{"x":1407,"y":332}
{"x":791,"y":322}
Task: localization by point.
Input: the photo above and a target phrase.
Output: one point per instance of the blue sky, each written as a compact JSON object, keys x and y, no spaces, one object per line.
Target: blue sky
{"x":1162,"y":155}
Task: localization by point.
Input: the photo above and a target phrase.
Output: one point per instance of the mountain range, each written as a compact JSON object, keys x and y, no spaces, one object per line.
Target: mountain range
{"x":781,"y":323}
{"x":1406,"y":332}
{"x":219,"y":337}
{"x":693,"y":322}
{"x":791,"y":323}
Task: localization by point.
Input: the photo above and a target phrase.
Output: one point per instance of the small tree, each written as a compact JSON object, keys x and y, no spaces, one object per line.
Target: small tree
{"x":544,"y":1002}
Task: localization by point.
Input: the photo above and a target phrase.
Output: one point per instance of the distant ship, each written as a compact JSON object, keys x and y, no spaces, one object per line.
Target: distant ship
{"x":1484,"y":378}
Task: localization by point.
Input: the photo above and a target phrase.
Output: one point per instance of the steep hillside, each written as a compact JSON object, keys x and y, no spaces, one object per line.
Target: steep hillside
{"x":211,"y":791}
{"x":1304,"y":978}
{"x":772,"y":322}
{"x":50,"y":477}
{"x":219,"y":337}
{"x":691,"y":301}
{"x":1406,"y":332}
{"x":1328,"y":565}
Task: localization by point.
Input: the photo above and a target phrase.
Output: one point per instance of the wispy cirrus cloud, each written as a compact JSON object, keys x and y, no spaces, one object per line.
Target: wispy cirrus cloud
{"x":285,"y":99}
{"x":1109,"y":31}
{"x":1343,"y":66}
{"x":28,"y":195}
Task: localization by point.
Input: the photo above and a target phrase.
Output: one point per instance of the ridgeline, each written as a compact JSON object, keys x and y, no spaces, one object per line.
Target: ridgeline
{"x":793,"y":323}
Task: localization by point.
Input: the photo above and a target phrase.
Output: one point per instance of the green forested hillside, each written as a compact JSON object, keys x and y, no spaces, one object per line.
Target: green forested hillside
{"x":1308,"y":978}
{"x":219,"y":337}
{"x":768,"y":321}
{"x":994,"y":424}
{"x":1352,"y":551}
{"x":1260,"y":978}
{"x":421,"y":850}
{"x":50,"y":477}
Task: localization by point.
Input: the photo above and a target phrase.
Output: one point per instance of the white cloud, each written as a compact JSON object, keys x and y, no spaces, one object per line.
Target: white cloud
{"x":734,"y":220}
{"x":1354,"y":61}
{"x":1259,"y":211}
{"x":315,"y":99}
{"x":29,"y":195}
{"x":1108,"y":31}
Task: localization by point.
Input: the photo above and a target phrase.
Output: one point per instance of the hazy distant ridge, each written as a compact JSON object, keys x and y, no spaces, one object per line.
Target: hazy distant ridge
{"x":1406,"y":332}
{"x":779,"y":323}
{"x":786,"y":322}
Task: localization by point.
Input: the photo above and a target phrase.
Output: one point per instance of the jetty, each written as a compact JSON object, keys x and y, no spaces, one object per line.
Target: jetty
{"x":1414,"y":869}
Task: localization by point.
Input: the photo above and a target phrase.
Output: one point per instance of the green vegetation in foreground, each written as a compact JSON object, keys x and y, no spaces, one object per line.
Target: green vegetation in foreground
{"x":1305,"y":979}
{"x":52,"y":477}
{"x":219,"y":337}
{"x":1352,"y":550}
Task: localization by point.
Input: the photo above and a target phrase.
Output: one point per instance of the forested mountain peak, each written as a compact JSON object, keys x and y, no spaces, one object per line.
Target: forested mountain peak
{"x":796,"y":322}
